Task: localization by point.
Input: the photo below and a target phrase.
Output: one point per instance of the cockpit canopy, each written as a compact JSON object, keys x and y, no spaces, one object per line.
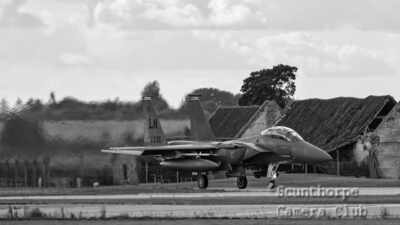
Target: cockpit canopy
{"x":284,"y":133}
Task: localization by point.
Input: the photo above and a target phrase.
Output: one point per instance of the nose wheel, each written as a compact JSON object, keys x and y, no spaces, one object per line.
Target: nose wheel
{"x":241,"y":182}
{"x":202,"y":181}
{"x":273,"y":175}
{"x":272,"y":184}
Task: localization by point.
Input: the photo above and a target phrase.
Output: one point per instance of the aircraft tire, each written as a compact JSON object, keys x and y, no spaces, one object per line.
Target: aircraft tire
{"x":241,"y":182}
{"x":202,"y":181}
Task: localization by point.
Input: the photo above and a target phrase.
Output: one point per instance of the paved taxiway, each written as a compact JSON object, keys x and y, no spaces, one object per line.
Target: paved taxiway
{"x":224,"y":193}
{"x":191,"y":205}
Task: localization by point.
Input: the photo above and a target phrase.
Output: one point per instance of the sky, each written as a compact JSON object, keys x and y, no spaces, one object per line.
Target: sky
{"x":103,"y":49}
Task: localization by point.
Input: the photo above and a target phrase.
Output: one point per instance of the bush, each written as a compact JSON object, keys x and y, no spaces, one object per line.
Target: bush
{"x":22,"y":132}
{"x":36,"y":213}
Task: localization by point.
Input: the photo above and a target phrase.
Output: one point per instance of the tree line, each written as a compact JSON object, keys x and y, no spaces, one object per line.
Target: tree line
{"x":22,"y":127}
{"x":276,"y":83}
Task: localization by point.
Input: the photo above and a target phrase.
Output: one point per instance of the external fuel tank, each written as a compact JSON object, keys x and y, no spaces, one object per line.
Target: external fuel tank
{"x":191,"y":164}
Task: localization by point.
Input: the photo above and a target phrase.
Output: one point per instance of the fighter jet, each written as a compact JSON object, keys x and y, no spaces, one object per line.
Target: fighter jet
{"x":262,"y":153}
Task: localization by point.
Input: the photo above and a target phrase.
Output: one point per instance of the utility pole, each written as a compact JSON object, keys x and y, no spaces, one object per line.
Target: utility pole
{"x":337,"y":163}
{"x":146,"y":166}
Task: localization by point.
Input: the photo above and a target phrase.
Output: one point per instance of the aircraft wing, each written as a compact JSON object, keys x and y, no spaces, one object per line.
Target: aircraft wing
{"x":183,"y":148}
{"x":160,"y":150}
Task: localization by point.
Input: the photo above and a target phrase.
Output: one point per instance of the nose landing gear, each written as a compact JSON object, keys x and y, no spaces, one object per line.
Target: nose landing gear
{"x":273,"y":175}
{"x":272,"y":184}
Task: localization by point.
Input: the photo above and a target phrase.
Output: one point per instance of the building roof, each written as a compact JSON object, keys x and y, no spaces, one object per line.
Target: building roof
{"x":227,"y":121}
{"x":334,"y":123}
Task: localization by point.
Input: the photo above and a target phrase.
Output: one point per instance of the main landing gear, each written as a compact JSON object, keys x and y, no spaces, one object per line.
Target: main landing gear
{"x":202,"y":181}
{"x":241,"y":182}
{"x":240,"y":173}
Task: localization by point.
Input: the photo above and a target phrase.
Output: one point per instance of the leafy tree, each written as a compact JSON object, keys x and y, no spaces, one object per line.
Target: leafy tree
{"x":4,"y":107}
{"x":70,"y":103}
{"x":211,"y":98}
{"x":276,"y":84}
{"x":110,"y":105}
{"x":19,"y":131}
{"x":18,"y":104}
{"x":152,"y":89}
{"x":34,"y":104}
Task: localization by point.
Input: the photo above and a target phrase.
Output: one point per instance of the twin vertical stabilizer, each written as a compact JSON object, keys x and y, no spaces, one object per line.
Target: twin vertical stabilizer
{"x":153,"y":132}
{"x":200,"y":127}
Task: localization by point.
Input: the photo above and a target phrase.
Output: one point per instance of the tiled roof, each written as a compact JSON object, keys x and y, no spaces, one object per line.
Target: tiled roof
{"x":226,"y":122}
{"x":333,"y":123}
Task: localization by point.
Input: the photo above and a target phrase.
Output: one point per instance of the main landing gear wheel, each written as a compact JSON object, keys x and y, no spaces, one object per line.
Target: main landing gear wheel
{"x":241,"y":182}
{"x":202,"y":181}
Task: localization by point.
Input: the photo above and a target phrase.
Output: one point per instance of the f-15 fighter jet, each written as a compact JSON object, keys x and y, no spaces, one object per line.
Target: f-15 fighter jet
{"x":271,"y":148}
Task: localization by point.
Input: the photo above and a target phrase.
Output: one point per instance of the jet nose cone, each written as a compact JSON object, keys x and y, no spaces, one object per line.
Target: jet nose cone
{"x":309,"y":153}
{"x":323,"y":156}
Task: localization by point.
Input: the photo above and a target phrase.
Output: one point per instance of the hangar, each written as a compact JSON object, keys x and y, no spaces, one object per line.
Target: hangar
{"x":389,"y":144}
{"x":341,"y":126}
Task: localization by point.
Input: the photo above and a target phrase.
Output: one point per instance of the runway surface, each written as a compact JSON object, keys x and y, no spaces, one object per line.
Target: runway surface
{"x":224,"y":193}
{"x":221,"y":200}
{"x":218,"y":203}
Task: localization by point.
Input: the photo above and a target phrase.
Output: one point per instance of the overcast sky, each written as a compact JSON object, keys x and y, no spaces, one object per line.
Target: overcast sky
{"x":102,"y":49}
